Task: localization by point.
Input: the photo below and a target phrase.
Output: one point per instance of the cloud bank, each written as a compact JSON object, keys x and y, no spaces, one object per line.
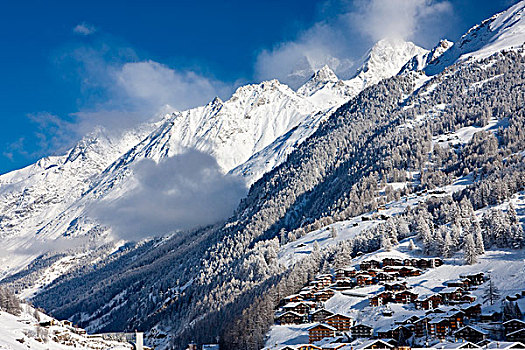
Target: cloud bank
{"x":182,"y":192}
{"x":348,"y":30}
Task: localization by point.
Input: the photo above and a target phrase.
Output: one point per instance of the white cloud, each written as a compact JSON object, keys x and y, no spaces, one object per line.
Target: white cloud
{"x":378,"y":19}
{"x":157,"y":85}
{"x":84,"y":29}
{"x":182,"y":192}
{"x":344,"y":36}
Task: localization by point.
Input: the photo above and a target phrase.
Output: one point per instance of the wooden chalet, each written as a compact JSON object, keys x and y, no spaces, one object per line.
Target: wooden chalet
{"x":362,"y":331}
{"x":302,"y":307}
{"x":439,"y":327}
{"x":364,"y":280}
{"x":345,"y":283}
{"x":380,"y":299}
{"x":333,"y":346}
{"x":319,"y":332}
{"x":405,"y":297}
{"x":490,"y":316}
{"x":293,"y":298}
{"x":307,"y":293}
{"x":428,"y":302}
{"x":340,"y":322}
{"x":320,"y":315}
{"x":467,"y":298}
{"x":346,"y":272}
{"x":503,"y":345}
{"x":455,"y":319}
{"x":461,"y":283}
{"x":323,"y":280}
{"x":421,"y":326}
{"x":395,"y":332}
{"x":324,"y":295}
{"x":291,"y":317}
{"x":307,"y":347}
{"x":475,"y":279}
{"x":513,"y":326}
{"x":392,"y":262}
{"x":386,"y":276}
{"x":472,"y":311}
{"x":373,"y":272}
{"x":451,"y":294}
{"x":409,"y":271}
{"x":396,"y":286}
{"x":369,"y":264}
{"x":517,"y":336}
{"x":455,"y":345}
{"x":471,"y":333}
{"x":371,"y":344}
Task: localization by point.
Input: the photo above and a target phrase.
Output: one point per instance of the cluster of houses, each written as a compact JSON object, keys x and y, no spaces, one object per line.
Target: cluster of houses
{"x":449,"y":313}
{"x":390,"y":344}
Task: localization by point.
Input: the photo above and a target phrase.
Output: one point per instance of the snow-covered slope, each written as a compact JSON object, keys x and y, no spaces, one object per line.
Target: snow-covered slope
{"x":504,"y":30}
{"x":25,"y":331}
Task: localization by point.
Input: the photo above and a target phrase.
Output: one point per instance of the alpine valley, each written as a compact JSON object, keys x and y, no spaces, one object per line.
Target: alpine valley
{"x":369,"y":212}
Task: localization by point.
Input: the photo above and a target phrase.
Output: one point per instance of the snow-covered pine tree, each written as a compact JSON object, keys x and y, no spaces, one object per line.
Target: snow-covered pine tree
{"x":411,"y":245}
{"x":469,"y":249}
{"x":386,"y":244}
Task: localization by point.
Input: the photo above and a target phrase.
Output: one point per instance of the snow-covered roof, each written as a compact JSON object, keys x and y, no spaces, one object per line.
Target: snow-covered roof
{"x":513,"y":320}
{"x":450,"y":290}
{"x":462,"y":345}
{"x":474,"y":328}
{"x":504,"y":345}
{"x":357,"y":345}
{"x":322,"y":325}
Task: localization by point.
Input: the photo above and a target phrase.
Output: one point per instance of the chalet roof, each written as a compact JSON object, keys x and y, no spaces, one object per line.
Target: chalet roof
{"x":457,"y":280}
{"x":293,"y":296}
{"x":513,"y":320}
{"x":362,"y":325}
{"x":462,"y":345}
{"x":467,"y":275}
{"x":334,"y":345}
{"x":323,"y":326}
{"x":450,"y":290}
{"x":406,"y":292}
{"x":473,"y":328}
{"x":340,"y":315}
{"x":321,"y":310}
{"x":516,"y":332}
{"x":438,"y":320}
{"x":297,"y":303}
{"x":426,"y":296}
{"x":466,"y":307}
{"x":293,"y":313}
{"x":369,"y":343}
{"x":504,"y":345}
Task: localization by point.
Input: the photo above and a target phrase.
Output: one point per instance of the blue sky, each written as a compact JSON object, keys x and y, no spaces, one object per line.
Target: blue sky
{"x":67,"y":66}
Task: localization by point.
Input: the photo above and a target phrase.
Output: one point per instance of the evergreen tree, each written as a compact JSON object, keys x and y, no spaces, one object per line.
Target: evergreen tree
{"x":386,"y":244}
{"x":491,"y":293}
{"x":411,"y":245}
{"x":469,"y":249}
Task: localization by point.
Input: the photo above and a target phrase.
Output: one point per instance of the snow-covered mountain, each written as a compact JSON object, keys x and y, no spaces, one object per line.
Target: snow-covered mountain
{"x":249,"y":134}
{"x":503,"y":31}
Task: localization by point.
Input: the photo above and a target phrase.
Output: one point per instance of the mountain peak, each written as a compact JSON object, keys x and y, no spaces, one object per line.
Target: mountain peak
{"x":503,"y":31}
{"x":325,"y":74}
{"x":317,"y":81}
